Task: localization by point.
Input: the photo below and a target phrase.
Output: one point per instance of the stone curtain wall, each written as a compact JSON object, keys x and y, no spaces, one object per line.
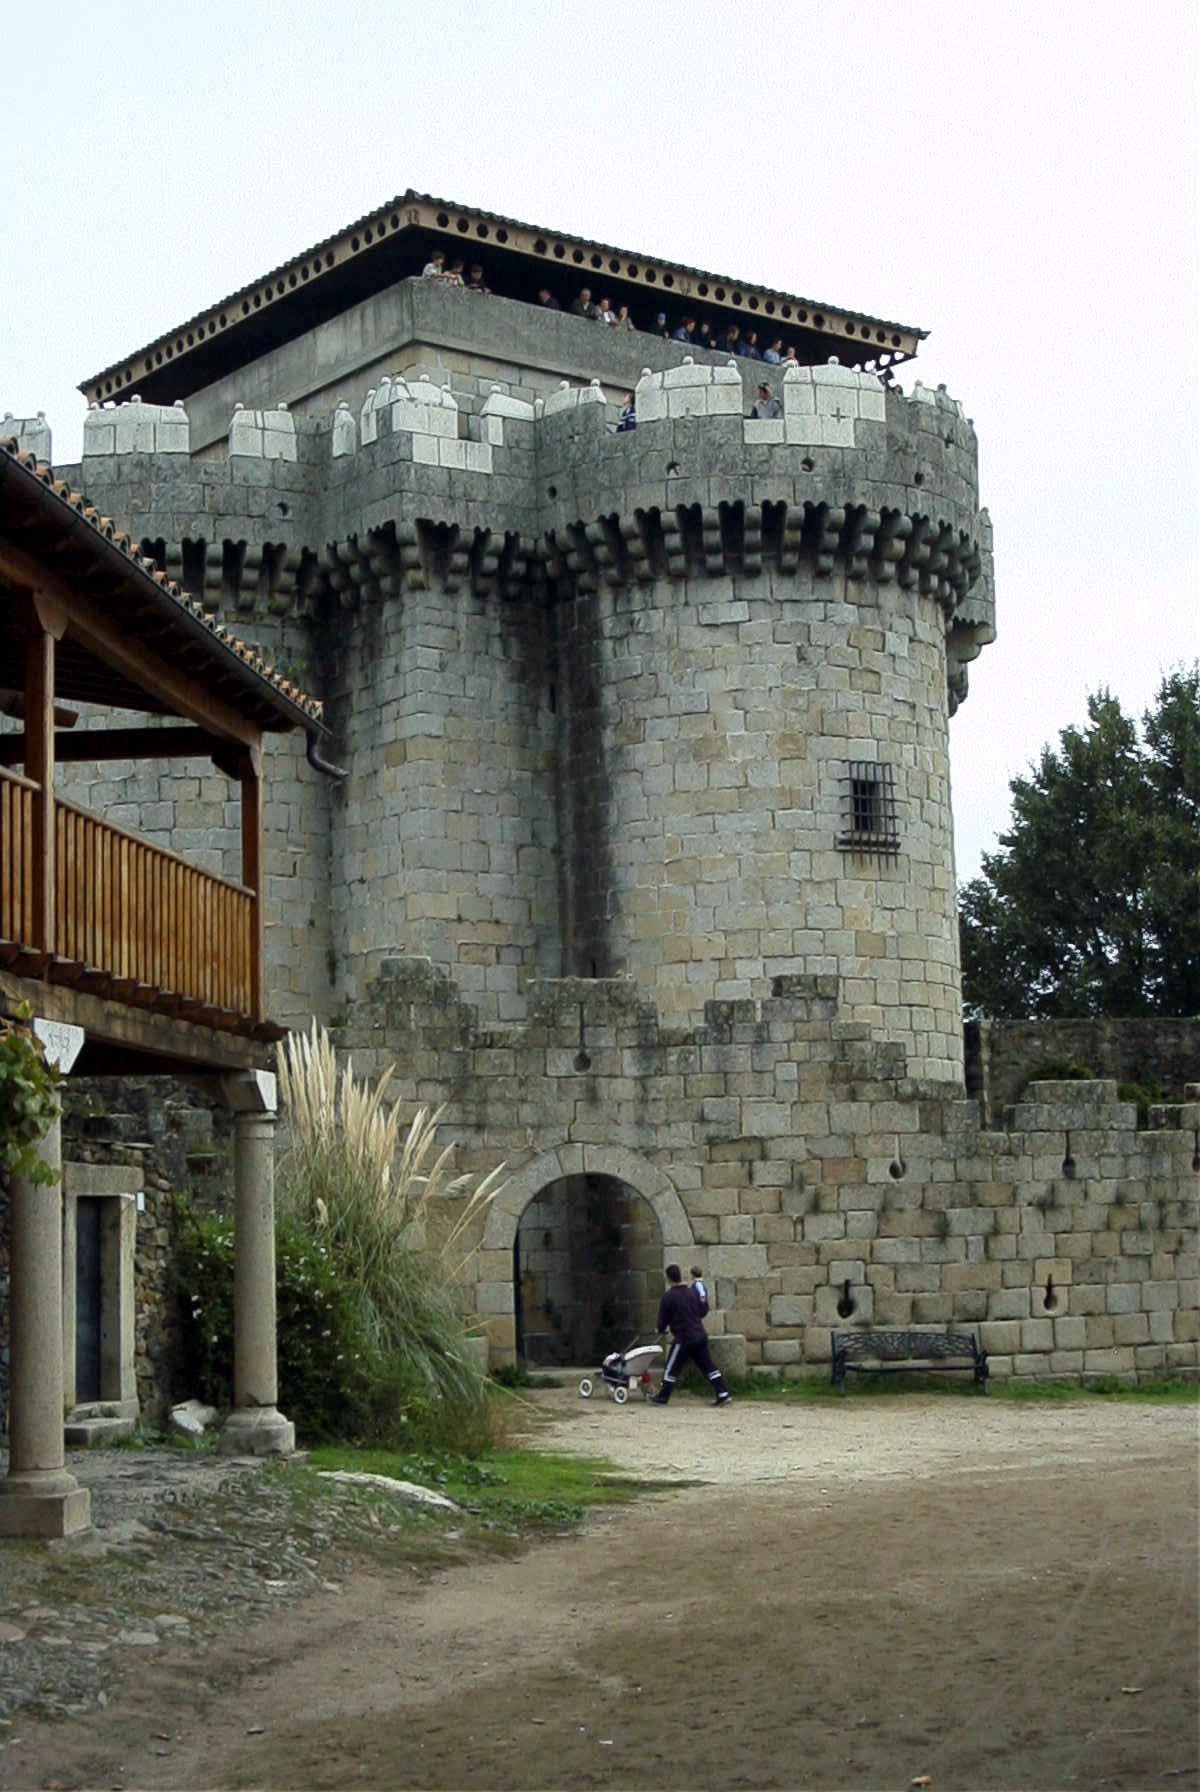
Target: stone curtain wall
{"x":1001,"y":1054}
{"x":789,"y":1150}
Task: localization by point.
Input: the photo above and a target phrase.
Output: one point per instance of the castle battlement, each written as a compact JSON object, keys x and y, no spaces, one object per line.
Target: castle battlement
{"x":298,"y":506}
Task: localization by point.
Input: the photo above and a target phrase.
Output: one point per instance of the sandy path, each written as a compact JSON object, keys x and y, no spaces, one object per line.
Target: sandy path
{"x":863,"y":1594}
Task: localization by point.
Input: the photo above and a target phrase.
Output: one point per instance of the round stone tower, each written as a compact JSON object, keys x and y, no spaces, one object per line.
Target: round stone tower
{"x":669,"y":704}
{"x":757,"y":681}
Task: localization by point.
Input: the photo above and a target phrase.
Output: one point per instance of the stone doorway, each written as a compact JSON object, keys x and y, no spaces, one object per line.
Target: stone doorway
{"x":100,"y":1205}
{"x":587,"y":1271}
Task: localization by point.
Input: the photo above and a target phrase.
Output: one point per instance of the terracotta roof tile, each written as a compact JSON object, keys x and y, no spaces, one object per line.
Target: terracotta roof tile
{"x":107,"y":530}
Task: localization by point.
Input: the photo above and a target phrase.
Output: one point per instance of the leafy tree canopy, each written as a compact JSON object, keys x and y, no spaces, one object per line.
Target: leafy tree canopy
{"x":1091,"y":905}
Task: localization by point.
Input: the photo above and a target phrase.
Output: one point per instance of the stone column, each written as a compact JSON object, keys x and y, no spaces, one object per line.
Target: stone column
{"x":38,"y":1497}
{"x":255,"y":1427}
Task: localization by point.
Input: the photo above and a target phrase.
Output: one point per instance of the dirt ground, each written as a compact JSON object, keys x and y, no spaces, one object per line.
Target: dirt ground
{"x":858,"y":1594}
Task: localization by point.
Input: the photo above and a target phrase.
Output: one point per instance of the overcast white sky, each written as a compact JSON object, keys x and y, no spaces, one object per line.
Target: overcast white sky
{"x":1018,"y":179}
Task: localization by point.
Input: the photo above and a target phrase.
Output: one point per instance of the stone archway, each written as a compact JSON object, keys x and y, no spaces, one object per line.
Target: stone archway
{"x":495,"y":1297}
{"x":587,"y":1270}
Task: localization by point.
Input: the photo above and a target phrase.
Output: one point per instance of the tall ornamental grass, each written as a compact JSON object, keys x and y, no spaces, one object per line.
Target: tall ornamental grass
{"x":356,"y":1181}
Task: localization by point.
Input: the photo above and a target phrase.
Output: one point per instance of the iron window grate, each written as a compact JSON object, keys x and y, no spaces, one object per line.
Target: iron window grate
{"x":869,"y":821}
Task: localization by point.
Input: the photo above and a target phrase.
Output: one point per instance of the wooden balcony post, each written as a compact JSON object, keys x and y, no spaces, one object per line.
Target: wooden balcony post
{"x":47,"y":627}
{"x":253,"y":875}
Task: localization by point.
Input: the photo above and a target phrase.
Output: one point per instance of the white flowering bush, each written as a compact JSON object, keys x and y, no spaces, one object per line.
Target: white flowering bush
{"x":372,"y":1195}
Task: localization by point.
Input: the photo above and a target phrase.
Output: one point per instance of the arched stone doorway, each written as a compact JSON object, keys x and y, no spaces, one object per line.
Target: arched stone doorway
{"x":587,"y":1270}
{"x":495,"y":1291}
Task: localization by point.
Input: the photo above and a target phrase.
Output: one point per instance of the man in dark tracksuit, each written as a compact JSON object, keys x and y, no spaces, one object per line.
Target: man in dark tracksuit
{"x":681,"y":1312}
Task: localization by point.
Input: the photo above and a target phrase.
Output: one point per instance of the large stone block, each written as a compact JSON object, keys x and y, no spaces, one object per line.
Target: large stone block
{"x":729,"y":1353}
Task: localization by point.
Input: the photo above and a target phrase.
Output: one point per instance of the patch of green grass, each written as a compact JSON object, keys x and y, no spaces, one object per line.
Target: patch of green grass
{"x":817,"y":1388}
{"x":520,"y":1489}
{"x":515,"y":1375}
{"x":1172,"y":1388}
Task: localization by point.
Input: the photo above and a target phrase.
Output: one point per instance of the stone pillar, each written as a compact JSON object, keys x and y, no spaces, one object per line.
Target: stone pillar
{"x":255,"y":1427}
{"x":38,"y":1497}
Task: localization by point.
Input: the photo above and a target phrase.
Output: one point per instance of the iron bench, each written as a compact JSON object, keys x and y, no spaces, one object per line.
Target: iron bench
{"x":895,"y":1353}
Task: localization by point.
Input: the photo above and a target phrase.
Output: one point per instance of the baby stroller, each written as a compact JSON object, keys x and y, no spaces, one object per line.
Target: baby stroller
{"x":622,"y":1369}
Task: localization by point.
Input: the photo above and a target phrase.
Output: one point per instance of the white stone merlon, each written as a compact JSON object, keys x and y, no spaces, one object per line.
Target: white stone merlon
{"x":821,"y":405}
{"x":32,"y":433}
{"x":939,"y":399}
{"x":649,"y":398}
{"x":689,"y":390}
{"x":425,"y":409}
{"x":269,"y":435}
{"x":563,"y":398}
{"x":137,"y":428}
{"x":344,"y":431}
{"x":501,"y":404}
{"x":245,"y":431}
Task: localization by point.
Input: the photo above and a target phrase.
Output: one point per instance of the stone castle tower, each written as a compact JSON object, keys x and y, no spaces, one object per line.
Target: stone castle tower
{"x":641,"y":853}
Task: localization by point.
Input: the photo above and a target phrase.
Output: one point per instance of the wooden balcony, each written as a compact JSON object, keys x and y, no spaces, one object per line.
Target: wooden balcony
{"x":158,"y":962}
{"x":127,"y":919}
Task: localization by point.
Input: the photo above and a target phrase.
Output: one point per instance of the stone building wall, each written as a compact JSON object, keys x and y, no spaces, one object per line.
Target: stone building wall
{"x":1002,"y":1054}
{"x":714,"y":727}
{"x":817,"y":1184}
{"x":177,"y":1136}
{"x":444,"y":835}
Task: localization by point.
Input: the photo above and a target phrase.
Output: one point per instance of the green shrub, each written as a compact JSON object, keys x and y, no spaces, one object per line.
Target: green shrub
{"x":1144,"y":1096}
{"x":1059,"y":1070}
{"x":324,"y":1368}
{"x":28,"y":1099}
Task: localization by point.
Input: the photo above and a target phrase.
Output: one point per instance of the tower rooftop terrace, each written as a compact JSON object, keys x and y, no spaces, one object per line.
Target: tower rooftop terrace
{"x":393,"y":242}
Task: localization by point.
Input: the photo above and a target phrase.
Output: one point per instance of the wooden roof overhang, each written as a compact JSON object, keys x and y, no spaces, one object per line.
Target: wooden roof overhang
{"x":392,"y":244}
{"x":160,"y":961}
{"x":134,"y":640}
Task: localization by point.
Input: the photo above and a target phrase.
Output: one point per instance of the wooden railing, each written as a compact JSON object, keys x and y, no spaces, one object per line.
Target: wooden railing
{"x":16,"y":856}
{"x":135,"y":912}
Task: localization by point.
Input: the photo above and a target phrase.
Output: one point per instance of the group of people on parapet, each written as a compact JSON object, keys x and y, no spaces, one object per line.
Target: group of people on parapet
{"x":729,"y":340}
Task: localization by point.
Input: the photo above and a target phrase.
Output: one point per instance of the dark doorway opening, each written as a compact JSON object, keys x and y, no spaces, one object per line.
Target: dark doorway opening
{"x":587,"y":1265}
{"x":89,"y":1297}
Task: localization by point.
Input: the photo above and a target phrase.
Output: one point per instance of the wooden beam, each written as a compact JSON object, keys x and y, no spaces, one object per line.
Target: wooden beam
{"x":93,"y":745}
{"x":252,"y":880}
{"x":128,"y":654}
{"x":38,"y":743}
{"x":173,"y":1042}
{"x":12,"y":703}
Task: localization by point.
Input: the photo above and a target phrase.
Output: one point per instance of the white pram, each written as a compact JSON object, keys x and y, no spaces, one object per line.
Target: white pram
{"x":622,"y":1369}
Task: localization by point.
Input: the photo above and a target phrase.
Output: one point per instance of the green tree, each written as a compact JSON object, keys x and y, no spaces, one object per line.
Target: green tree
{"x":1091,"y":905}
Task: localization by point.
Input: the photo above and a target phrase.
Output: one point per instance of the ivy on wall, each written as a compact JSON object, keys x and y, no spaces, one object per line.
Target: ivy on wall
{"x":28,"y":1100}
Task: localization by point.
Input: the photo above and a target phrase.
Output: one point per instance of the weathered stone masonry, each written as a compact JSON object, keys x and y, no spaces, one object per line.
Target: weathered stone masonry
{"x":643,"y":861}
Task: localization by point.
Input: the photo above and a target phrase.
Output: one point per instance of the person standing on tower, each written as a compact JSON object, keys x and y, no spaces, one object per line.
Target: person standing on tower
{"x":679,"y":1312}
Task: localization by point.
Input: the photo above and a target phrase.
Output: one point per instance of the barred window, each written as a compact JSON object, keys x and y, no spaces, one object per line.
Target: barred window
{"x":869,"y":823}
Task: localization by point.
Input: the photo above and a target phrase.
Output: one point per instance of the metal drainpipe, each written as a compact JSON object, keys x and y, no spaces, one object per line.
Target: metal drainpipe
{"x":312,"y":754}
